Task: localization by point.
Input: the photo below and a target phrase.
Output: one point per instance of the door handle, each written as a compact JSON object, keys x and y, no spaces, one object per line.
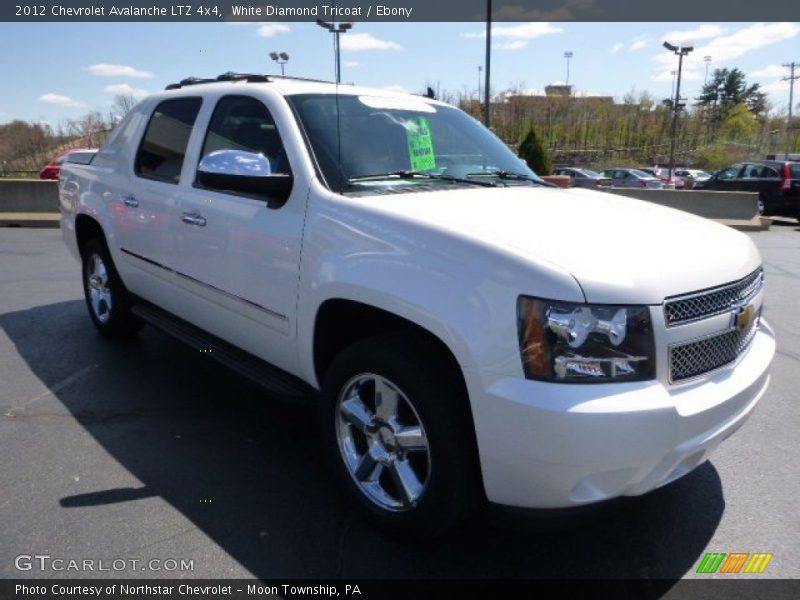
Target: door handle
{"x":130,"y":201}
{"x":193,"y":219}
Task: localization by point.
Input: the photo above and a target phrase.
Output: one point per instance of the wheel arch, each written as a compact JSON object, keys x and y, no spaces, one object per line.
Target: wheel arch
{"x":87,"y":228}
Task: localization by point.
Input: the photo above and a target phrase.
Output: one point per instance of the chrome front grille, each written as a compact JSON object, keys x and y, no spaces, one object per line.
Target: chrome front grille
{"x":714,"y":301}
{"x":697,"y":357}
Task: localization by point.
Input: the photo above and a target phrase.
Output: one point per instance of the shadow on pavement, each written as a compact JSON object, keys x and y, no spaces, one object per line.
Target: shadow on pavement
{"x":247,"y":472}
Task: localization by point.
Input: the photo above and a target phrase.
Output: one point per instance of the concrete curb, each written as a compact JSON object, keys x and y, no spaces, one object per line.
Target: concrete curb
{"x":37,"y":220}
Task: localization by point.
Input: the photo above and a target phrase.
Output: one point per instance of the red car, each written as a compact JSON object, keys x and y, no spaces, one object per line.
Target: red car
{"x":79,"y":155}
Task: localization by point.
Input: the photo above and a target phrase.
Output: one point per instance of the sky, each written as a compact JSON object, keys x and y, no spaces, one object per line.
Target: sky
{"x":57,"y":71}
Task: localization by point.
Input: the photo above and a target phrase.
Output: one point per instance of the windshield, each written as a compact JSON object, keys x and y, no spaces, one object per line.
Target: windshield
{"x":642,"y":174}
{"x":390,"y":144}
{"x":590,"y":173}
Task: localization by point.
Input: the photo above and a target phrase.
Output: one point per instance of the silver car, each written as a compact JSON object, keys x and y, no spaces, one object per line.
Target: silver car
{"x":633,"y":178}
{"x":580,"y":177}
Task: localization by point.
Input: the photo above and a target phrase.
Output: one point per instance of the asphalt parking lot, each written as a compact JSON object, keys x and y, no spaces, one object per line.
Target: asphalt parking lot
{"x":147,"y":450}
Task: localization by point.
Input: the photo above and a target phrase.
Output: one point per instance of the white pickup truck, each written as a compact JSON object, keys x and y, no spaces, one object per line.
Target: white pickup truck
{"x":468,"y":331}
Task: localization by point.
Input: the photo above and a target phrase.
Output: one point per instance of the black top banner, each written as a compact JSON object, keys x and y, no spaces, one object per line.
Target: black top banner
{"x":402,"y":10}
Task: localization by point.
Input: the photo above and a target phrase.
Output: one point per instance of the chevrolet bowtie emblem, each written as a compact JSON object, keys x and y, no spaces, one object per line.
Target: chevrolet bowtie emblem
{"x":744,"y":317}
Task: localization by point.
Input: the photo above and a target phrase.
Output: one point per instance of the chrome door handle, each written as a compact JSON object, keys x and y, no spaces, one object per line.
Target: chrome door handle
{"x":130,"y":201}
{"x":193,"y":219}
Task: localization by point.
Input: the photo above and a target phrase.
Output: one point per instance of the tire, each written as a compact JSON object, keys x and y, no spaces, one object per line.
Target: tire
{"x":762,"y":205}
{"x":108,"y":301}
{"x":421,"y":476}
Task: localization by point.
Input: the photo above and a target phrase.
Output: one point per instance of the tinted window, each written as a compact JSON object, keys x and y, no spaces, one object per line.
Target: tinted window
{"x":244,"y":123}
{"x":795,"y":169}
{"x":768,"y":172}
{"x":731,"y":172}
{"x":164,"y":144}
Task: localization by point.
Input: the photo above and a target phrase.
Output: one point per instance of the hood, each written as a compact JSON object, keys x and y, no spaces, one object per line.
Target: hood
{"x":620,"y":250}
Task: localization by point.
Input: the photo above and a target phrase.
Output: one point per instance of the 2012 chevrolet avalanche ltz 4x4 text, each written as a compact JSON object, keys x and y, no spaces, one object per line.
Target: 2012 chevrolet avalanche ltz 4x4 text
{"x":468,"y":331}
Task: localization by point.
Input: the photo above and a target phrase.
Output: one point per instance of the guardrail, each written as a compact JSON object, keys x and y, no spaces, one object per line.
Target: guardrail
{"x":705,"y":203}
{"x":28,"y":196}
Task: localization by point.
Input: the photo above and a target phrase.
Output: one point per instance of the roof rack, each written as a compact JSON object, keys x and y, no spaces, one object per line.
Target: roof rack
{"x":231,"y":76}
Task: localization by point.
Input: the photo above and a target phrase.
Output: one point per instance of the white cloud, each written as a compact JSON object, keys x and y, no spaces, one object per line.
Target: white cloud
{"x":617,"y":47}
{"x":125,"y":90}
{"x":272,"y":29}
{"x":726,"y":47}
{"x":638,"y":44}
{"x":779,"y":88}
{"x":525,"y":31}
{"x":689,"y":36}
{"x":351,"y":64}
{"x":106,"y":70}
{"x":358,"y":42}
{"x":513,"y":45}
{"x":769,"y":72}
{"x":61,"y":100}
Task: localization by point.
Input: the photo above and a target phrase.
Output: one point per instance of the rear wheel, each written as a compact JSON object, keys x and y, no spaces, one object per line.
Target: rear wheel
{"x":398,"y":431}
{"x":107,"y":299}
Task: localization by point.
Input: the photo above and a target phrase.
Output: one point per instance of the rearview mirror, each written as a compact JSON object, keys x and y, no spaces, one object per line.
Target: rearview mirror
{"x":244,"y":172}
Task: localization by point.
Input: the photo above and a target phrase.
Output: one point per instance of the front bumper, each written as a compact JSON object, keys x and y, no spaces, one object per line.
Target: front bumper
{"x":550,"y":445}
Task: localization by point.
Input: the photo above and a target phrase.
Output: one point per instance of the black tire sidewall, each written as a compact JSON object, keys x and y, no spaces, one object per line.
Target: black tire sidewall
{"x":451,"y":492}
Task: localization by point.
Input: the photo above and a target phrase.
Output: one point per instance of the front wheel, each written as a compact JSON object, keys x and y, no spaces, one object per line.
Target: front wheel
{"x":396,"y":425}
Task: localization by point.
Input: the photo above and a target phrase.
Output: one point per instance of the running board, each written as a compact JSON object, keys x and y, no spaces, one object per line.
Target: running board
{"x":276,"y":381}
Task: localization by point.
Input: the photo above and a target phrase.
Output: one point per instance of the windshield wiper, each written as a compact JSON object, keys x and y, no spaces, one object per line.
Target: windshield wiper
{"x":406,"y":174}
{"x":512,"y":175}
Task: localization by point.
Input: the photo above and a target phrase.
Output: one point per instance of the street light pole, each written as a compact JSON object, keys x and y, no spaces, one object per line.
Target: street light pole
{"x":336,"y":29}
{"x":707,"y":60}
{"x":281,"y":58}
{"x":676,"y":105}
{"x":480,"y":68}
{"x":486,"y":86}
{"x":568,"y":55}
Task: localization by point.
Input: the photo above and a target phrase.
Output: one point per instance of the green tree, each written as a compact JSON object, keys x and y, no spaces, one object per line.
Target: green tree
{"x":728,"y":88}
{"x":532,"y":151}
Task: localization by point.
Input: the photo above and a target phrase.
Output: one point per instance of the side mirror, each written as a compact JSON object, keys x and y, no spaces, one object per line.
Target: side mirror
{"x":246,"y":173}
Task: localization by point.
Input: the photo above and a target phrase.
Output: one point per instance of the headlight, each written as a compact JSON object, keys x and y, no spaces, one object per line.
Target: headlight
{"x":562,"y":341}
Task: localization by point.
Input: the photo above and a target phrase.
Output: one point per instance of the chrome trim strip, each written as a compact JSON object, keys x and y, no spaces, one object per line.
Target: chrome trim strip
{"x":207,"y":285}
{"x":758,"y":285}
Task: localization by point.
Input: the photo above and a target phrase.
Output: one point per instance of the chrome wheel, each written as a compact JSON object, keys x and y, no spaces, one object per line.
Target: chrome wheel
{"x":382,"y":442}
{"x":98,"y":288}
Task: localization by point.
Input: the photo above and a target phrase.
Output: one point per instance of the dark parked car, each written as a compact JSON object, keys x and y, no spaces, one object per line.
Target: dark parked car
{"x":580,"y":177}
{"x":777,"y":183}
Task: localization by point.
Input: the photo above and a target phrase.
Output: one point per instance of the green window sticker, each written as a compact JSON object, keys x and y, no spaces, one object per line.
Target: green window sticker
{"x":420,"y":145}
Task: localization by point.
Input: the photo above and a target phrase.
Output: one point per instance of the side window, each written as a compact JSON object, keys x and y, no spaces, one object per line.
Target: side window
{"x":244,"y":123}
{"x":731,"y":172}
{"x":163,"y":146}
{"x":769,"y":173}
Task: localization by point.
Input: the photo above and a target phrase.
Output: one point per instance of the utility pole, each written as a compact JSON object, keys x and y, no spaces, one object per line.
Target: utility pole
{"x":676,"y":105}
{"x":707,"y":60}
{"x":486,"y":86}
{"x":791,"y":79}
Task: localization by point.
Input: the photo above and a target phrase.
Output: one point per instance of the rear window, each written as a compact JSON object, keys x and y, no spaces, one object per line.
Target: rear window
{"x":164,"y":144}
{"x":795,"y":170}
